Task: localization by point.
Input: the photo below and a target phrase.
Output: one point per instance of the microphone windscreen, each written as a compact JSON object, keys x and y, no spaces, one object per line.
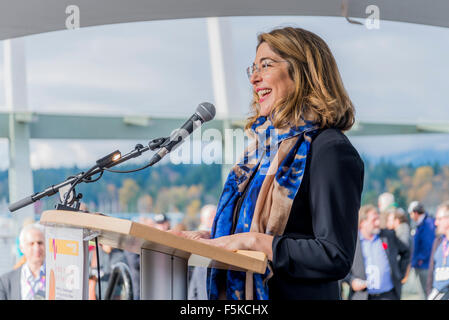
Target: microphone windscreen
{"x":206,"y":111}
{"x":20,"y":204}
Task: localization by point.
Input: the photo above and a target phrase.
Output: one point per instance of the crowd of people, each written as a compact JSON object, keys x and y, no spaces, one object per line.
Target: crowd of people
{"x":27,"y":279}
{"x":393,"y":244}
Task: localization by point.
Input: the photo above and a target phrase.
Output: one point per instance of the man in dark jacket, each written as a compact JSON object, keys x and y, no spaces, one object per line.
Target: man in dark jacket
{"x":380,"y":260}
{"x":423,"y":238}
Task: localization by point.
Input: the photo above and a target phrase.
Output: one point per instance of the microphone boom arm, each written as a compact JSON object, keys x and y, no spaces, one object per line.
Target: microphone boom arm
{"x":138,"y":150}
{"x":204,"y":112}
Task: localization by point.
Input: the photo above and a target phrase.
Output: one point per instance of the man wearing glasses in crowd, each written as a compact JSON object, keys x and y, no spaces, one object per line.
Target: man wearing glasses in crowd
{"x":438,"y":278}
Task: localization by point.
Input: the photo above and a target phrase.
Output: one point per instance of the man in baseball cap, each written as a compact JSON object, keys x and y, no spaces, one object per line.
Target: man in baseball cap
{"x":162,"y":222}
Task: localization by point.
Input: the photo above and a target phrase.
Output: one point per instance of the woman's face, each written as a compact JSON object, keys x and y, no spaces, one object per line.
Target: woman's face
{"x":391,"y":223}
{"x":272,"y":82}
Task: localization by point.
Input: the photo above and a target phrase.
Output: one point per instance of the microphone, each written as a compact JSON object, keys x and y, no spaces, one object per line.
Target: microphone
{"x":204,"y":112}
{"x":21,"y":203}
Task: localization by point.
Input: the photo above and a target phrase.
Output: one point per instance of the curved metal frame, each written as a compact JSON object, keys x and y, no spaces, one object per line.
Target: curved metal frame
{"x":120,"y":269}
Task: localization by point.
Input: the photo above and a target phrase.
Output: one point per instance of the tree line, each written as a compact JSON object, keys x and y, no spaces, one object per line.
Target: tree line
{"x":427,"y":183}
{"x":186,"y":188}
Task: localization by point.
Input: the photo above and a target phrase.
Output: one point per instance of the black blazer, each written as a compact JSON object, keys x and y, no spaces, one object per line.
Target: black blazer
{"x":398,"y":255}
{"x":10,"y":285}
{"x":318,"y":244}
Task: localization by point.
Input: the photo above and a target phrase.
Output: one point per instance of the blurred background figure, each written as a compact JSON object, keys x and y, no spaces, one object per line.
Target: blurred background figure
{"x":207,"y":216}
{"x":423,"y":237}
{"x":162,"y":222}
{"x":197,"y":284}
{"x":384,"y":203}
{"x":180,"y":227}
{"x":19,"y":254}
{"x":133,"y":262}
{"x":28,"y":281}
{"x":380,"y":260}
{"x":146,"y":221}
{"x":108,"y":258}
{"x":397,"y":221}
{"x":438,"y":275}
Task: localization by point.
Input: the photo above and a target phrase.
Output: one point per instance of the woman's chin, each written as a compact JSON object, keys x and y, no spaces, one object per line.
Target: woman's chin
{"x":265,"y":111}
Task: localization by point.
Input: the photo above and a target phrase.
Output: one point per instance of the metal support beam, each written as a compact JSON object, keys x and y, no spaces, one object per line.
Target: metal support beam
{"x":20,"y":176}
{"x":376,"y":129}
{"x":66,"y":126}
{"x":69,"y":126}
{"x":220,"y":39}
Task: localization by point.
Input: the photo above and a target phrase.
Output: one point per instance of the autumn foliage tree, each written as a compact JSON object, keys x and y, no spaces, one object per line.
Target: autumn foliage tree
{"x":428,"y":183}
{"x":128,"y":195}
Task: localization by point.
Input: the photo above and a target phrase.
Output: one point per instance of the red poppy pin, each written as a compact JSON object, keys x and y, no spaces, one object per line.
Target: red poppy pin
{"x":385,"y":245}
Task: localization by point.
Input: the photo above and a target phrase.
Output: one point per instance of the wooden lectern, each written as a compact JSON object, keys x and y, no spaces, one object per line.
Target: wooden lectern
{"x":164,"y":257}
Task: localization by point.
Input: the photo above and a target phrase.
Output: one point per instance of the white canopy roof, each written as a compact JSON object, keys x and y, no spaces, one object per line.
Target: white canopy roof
{"x":23,"y":17}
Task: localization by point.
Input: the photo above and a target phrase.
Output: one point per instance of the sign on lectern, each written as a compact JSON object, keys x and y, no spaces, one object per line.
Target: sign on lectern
{"x":66,"y":263}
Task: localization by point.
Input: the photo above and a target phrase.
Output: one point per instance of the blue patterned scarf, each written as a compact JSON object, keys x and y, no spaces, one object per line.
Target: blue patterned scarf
{"x":277,"y":158}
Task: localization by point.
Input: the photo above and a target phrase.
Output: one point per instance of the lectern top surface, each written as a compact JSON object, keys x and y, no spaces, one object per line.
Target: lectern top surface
{"x":132,"y":236}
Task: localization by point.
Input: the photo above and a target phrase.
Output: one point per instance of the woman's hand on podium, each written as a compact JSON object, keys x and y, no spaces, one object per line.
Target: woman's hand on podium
{"x":239,"y":241}
{"x":193,"y":235}
{"x":244,"y":241}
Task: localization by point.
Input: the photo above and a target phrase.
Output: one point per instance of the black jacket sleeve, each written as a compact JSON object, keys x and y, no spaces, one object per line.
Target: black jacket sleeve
{"x":336,"y":183}
{"x":404,"y":256}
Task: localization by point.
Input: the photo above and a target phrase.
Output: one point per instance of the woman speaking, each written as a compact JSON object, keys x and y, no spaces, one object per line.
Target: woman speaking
{"x":295,"y":193}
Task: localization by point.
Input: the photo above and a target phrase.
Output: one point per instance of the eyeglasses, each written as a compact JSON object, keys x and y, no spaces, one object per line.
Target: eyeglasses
{"x":261,"y":69}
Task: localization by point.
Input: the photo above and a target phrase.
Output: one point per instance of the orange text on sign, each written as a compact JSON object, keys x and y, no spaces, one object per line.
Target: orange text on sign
{"x":67,"y":247}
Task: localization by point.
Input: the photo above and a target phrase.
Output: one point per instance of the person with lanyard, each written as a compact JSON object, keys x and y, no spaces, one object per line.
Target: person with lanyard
{"x":380,"y":261}
{"x":296,"y":191}
{"x":438,"y":277}
{"x":28,"y":281}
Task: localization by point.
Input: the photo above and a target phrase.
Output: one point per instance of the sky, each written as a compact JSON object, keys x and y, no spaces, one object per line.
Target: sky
{"x":394,"y":74}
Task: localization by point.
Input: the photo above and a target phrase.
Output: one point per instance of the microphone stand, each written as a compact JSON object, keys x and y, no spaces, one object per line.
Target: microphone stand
{"x":70,"y":200}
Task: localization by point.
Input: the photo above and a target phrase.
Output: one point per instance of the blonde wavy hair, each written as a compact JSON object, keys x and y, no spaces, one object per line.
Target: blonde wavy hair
{"x":319,"y":92}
